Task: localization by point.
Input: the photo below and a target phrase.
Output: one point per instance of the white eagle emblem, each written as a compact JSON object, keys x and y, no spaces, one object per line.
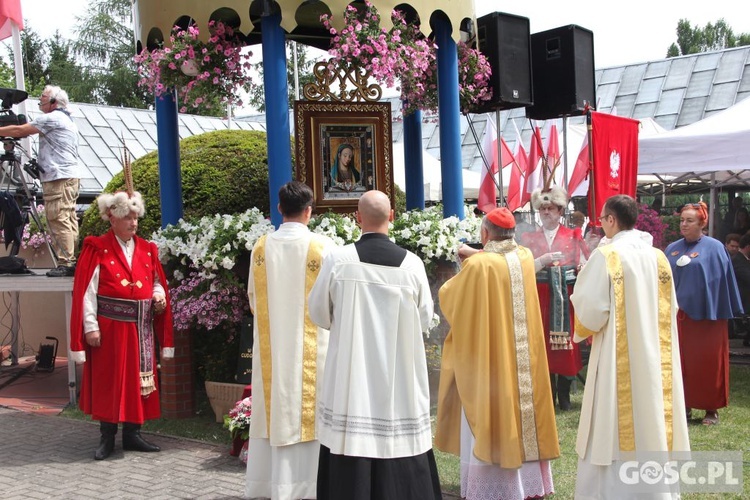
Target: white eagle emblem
{"x":614,"y":164}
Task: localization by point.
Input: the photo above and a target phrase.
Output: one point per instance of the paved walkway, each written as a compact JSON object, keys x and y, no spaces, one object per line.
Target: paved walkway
{"x":44,"y":456}
{"x":52,"y":457}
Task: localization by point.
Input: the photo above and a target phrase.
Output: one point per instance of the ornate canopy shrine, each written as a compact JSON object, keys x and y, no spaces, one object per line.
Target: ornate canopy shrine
{"x":271,"y":23}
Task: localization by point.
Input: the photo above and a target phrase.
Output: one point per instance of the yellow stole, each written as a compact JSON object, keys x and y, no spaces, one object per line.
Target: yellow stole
{"x":509,"y":248}
{"x":309,"y":337}
{"x":626,"y":428}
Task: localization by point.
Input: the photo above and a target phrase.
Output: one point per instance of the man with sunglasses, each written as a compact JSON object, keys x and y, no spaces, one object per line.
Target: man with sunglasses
{"x":59,"y":172}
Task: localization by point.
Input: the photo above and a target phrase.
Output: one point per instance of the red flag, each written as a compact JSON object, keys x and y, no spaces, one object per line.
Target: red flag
{"x":487,"y":199}
{"x":553,"y":147}
{"x":580,"y":169}
{"x":517,"y":185}
{"x":615,"y":158}
{"x":10,"y":11}
{"x":534,"y":169}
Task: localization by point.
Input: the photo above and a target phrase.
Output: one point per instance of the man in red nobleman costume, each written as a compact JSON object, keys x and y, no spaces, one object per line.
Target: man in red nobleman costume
{"x":120,"y":307}
{"x":558,"y":253}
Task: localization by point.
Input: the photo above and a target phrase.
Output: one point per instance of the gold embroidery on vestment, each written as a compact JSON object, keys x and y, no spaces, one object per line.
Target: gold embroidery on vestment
{"x":310,"y":348}
{"x":626,"y":429}
{"x":261,"y":316}
{"x":523,"y":358}
{"x":665,"y":339}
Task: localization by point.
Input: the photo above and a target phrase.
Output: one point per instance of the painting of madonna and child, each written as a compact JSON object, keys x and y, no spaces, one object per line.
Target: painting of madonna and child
{"x":347,"y":161}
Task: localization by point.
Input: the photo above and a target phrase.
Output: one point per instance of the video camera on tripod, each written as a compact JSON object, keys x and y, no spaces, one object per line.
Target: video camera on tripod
{"x":17,"y":207}
{"x":9,"y":98}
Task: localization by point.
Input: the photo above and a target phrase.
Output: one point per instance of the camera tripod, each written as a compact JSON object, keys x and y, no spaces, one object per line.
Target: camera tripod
{"x":13,"y":176}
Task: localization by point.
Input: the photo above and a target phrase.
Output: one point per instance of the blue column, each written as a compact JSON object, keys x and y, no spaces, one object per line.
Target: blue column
{"x":277,"y":110}
{"x":413,"y":161}
{"x":170,"y":178}
{"x":448,"y":116}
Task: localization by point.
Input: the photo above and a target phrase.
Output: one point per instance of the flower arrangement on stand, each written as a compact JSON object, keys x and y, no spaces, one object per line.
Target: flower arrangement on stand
{"x":340,"y":228}
{"x":34,"y":236}
{"x":238,"y":424}
{"x":34,"y":240}
{"x":200,"y":71}
{"x":207,"y":292}
{"x":432,"y":237}
{"x":405,"y":55}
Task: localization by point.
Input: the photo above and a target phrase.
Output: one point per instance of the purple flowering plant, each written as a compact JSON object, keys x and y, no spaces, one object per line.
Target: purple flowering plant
{"x":404,"y":55}
{"x":199,"y":71}
{"x":649,"y":221}
{"x":208,"y":303}
{"x":33,"y":235}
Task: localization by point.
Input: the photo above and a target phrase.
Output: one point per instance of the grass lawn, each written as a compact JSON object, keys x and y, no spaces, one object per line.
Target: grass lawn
{"x":733,"y":433}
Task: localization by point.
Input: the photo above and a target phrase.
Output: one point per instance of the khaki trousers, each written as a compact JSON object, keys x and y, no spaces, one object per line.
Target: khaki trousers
{"x":60,"y":208}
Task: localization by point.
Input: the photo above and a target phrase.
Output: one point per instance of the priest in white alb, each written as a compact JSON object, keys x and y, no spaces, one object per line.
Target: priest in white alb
{"x":289,"y":353}
{"x":633,"y":404}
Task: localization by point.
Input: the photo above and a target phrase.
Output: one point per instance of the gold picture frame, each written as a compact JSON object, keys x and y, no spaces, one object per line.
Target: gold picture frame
{"x":342,"y":150}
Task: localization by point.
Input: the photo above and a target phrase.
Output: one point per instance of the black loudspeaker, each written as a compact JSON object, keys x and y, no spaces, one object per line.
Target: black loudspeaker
{"x":505,"y":40}
{"x":45,"y":360}
{"x":562,"y":61}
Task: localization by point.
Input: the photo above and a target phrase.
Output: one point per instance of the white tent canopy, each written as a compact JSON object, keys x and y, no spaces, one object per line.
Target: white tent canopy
{"x":432,"y":175}
{"x":714,"y":150}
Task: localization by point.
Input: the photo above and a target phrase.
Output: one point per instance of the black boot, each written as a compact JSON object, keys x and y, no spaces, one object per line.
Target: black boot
{"x":133,"y":441}
{"x":107,"y":441}
{"x":553,"y":384}
{"x":563,"y":392}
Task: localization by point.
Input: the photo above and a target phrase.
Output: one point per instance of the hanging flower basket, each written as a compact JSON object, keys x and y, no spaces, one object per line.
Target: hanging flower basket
{"x":201,"y":72}
{"x":405,"y":56}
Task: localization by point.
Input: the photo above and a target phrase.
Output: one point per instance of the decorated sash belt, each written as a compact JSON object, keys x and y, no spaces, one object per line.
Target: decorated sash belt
{"x":139,"y":312}
{"x":558,"y":278}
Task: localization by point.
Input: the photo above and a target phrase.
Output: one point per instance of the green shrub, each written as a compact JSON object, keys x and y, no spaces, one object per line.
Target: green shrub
{"x":223,"y":172}
{"x":672,"y":231}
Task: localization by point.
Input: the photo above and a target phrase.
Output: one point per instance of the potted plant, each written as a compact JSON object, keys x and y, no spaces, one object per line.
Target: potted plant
{"x":433,"y":238}
{"x":209,"y":295}
{"x":237,"y":421}
{"x":200,"y":72}
{"x":34,"y":241}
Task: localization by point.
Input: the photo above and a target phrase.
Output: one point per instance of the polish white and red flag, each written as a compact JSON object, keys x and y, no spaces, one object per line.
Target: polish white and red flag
{"x":517,"y":194}
{"x":487,"y":198}
{"x":553,"y":148}
{"x":534,"y":178}
{"x":10,"y":12}
{"x":578,"y":185}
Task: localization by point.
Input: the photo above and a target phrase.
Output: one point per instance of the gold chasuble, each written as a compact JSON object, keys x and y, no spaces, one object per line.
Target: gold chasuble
{"x":310,"y":338}
{"x":494,"y":363}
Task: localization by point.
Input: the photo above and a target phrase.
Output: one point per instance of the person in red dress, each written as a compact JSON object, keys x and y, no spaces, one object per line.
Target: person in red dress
{"x":120,"y":308}
{"x":558,"y":254}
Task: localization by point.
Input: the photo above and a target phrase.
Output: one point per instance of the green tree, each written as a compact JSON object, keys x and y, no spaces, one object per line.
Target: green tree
{"x":63,"y":70}
{"x":7,"y":75}
{"x":34,"y":60}
{"x":257,"y":95}
{"x":105,"y":41}
{"x":713,"y":36}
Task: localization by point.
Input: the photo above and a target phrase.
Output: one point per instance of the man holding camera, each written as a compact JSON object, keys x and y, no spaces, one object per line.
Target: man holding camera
{"x":58,"y":170}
